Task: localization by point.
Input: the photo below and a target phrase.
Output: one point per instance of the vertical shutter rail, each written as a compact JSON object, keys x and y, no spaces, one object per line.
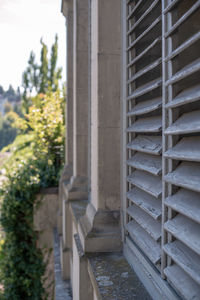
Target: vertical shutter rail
{"x":144,"y":126}
{"x":181,"y":147}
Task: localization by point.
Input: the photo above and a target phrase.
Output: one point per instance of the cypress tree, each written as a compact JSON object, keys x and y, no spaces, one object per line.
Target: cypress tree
{"x":43,"y":68}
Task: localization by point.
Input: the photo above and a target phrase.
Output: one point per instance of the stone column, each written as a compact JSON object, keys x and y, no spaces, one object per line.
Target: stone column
{"x":77,"y":119}
{"x":69,"y":82}
{"x":99,"y":228}
{"x":80,"y":100}
{"x":67,"y":10}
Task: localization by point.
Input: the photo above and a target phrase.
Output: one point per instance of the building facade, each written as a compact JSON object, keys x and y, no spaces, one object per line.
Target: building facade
{"x":131,"y":183}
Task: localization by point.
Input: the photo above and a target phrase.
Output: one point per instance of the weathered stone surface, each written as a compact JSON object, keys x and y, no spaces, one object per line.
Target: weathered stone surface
{"x":105,"y":95}
{"x":45,"y":212}
{"x":114,"y":279}
{"x":45,"y":219}
{"x":99,"y":230}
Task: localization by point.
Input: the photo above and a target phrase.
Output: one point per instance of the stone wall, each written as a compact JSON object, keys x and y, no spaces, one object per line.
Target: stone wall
{"x":45,"y":219}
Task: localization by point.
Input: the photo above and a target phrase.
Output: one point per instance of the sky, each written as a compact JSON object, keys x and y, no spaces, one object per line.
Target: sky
{"x":22,"y":24}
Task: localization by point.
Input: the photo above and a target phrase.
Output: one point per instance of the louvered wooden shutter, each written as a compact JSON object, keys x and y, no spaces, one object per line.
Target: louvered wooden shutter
{"x":163,"y":88}
{"x":144,"y":127}
{"x":181,"y":115}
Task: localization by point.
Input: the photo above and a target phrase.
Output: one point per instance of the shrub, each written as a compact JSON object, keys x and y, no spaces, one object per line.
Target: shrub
{"x":46,"y":119}
{"x":21,"y":262}
{"x":22,"y":266}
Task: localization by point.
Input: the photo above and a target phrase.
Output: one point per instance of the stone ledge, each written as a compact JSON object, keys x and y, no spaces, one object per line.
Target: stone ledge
{"x":113,"y":279}
{"x":62,"y":287}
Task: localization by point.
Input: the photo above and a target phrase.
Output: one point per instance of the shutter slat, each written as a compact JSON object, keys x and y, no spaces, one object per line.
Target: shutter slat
{"x":187,"y":287}
{"x":186,"y":71}
{"x":191,"y":94}
{"x":186,"y":203}
{"x":147,"y":11}
{"x":187,"y":175}
{"x":187,"y":149}
{"x":144,"y":241}
{"x":170,"y":6}
{"x":149,"y":28}
{"x":146,"y":144}
{"x":134,"y":9}
{"x":185,"y":258}
{"x":150,"y":225}
{"x":145,"y":107}
{"x":184,"y":46}
{"x":145,"y":162}
{"x":146,"y":182}
{"x":148,"y":87}
{"x":143,"y":71}
{"x":186,"y":231}
{"x":146,"y":50}
{"x":150,"y":124}
{"x":187,"y":123}
{"x":183,"y":18}
{"x":146,"y":202}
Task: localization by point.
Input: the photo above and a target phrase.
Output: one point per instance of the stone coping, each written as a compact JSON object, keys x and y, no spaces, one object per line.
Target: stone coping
{"x":114,"y":279}
{"x":62,"y":287}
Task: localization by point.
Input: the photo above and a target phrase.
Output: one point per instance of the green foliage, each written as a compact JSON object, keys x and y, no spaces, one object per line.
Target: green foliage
{"x":7,"y":107}
{"x":41,"y":77}
{"x":43,"y":68}
{"x":46,"y":120}
{"x":10,"y":119}
{"x":54,"y":74}
{"x":7,"y":135}
{"x":22,"y":265}
{"x":8,"y":131}
{"x":22,"y":147}
{"x":36,"y":163}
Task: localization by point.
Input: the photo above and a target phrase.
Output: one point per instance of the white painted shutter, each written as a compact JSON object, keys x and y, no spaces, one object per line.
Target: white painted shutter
{"x":144,"y":127}
{"x":181,"y":145}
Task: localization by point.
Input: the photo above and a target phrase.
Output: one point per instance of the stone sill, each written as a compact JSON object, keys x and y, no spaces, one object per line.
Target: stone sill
{"x":113,"y":278}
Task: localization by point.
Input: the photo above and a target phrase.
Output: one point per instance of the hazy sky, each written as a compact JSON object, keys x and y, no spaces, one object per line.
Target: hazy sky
{"x":22,"y":24}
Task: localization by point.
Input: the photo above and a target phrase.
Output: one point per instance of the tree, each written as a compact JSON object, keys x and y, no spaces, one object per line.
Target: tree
{"x":43,"y":76}
{"x":30,"y":80}
{"x":39,"y":78}
{"x":10,"y":91}
{"x":54,"y":74}
{"x":1,"y":90}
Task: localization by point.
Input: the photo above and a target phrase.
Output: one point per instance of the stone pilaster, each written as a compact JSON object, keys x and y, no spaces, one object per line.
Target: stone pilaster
{"x":63,"y":219}
{"x":75,"y":186}
{"x":80,"y":100}
{"x":67,"y":10}
{"x":99,"y":228}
